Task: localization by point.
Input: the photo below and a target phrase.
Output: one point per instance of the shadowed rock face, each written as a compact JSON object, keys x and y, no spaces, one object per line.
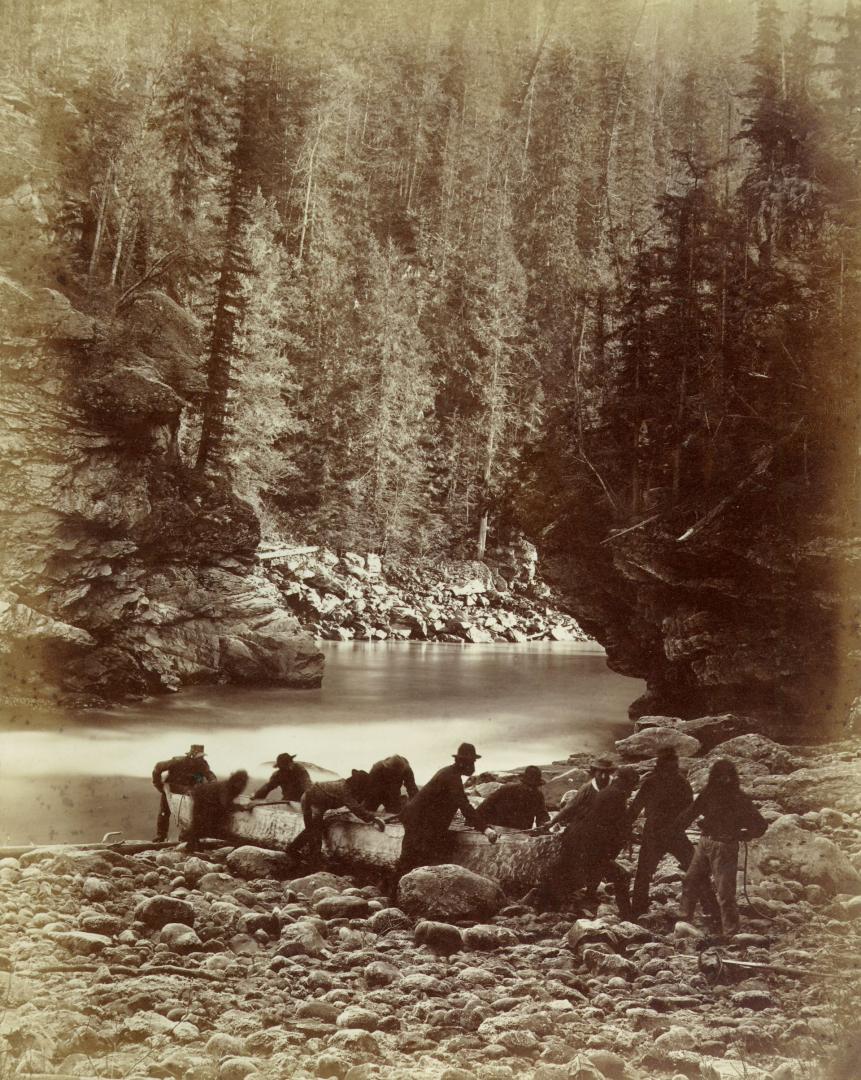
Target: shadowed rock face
{"x":123,"y":572}
{"x":741,"y":618}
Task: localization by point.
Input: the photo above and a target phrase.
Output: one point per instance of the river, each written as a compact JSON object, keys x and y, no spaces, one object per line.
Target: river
{"x":73,"y":776}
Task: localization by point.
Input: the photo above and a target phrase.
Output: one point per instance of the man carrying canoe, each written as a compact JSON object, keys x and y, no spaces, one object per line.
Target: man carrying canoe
{"x":387,"y":777}
{"x":184,"y":773}
{"x":331,"y":795}
{"x":516,"y":806}
{"x":427,"y":816}
{"x":290,"y":776}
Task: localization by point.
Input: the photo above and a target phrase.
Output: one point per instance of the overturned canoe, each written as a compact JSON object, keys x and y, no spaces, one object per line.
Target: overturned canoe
{"x":516,"y":860}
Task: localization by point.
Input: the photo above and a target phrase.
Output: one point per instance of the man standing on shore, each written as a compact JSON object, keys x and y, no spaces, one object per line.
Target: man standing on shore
{"x":427,"y":816}
{"x":184,"y":773}
{"x":728,"y":818}
{"x":664,"y":795}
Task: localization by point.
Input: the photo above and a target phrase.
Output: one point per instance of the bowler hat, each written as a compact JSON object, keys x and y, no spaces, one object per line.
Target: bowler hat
{"x":466,"y":750}
{"x":601,"y":763}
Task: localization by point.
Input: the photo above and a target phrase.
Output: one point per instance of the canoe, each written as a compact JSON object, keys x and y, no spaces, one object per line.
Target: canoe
{"x":516,"y":860}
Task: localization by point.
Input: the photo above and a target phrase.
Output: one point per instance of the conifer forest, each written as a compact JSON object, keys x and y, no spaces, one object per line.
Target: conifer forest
{"x":415,"y":278}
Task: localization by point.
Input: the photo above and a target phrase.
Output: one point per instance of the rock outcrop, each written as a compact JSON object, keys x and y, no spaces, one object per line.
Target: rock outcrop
{"x":738,"y":617}
{"x":123,"y":571}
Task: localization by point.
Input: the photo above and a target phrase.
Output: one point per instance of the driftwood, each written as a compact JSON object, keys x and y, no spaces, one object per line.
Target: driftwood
{"x":120,"y":969}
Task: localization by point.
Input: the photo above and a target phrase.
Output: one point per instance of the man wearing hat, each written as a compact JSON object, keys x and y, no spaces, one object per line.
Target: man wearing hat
{"x":183,"y":773}
{"x":518,"y":805}
{"x":290,"y":776}
{"x":590,"y":846}
{"x":664,"y":795}
{"x":600,"y":774}
{"x":427,"y":816}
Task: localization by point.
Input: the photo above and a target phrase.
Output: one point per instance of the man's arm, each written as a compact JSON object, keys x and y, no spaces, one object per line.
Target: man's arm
{"x":690,"y":814}
{"x":541,"y":814}
{"x":208,"y":774}
{"x":410,"y":784}
{"x":464,"y":805}
{"x":270,"y":785}
{"x":753,"y":823}
{"x":161,"y":767}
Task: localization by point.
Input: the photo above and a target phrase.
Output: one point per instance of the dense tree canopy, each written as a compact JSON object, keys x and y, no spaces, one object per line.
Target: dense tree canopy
{"x":464,"y":263}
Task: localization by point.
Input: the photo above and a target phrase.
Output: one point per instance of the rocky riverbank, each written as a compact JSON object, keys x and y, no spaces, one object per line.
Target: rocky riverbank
{"x":227,"y":966}
{"x":367,"y":598}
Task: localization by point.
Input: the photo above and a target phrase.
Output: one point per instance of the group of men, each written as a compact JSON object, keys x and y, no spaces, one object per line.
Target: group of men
{"x":597,"y":821}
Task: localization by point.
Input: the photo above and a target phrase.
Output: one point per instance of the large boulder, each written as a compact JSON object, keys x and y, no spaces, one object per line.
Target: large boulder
{"x":837,"y":784}
{"x":157,"y":911}
{"x":799,"y":855}
{"x":449,"y":893}
{"x":255,"y":862}
{"x":441,"y":938}
{"x":758,"y":749}
{"x":646,"y":743}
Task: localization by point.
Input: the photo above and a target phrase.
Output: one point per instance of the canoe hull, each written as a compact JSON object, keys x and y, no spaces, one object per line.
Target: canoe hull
{"x":515,"y":860}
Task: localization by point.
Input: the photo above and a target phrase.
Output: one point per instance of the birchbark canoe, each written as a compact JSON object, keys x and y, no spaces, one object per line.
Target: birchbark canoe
{"x":516,"y":860}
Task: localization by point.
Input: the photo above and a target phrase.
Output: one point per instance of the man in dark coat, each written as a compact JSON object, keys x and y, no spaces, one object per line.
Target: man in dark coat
{"x":590,"y":845}
{"x":331,"y":795}
{"x":290,"y":776}
{"x":515,"y":806}
{"x":211,"y":807}
{"x":601,"y":772}
{"x":728,"y":817}
{"x":387,"y":777}
{"x":664,"y":795}
{"x":184,"y":773}
{"x":428,"y":814}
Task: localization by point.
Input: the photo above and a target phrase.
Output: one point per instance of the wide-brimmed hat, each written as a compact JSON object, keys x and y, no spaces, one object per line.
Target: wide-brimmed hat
{"x":602,"y":762}
{"x":196,"y":748}
{"x":532,"y":775}
{"x":466,"y":750}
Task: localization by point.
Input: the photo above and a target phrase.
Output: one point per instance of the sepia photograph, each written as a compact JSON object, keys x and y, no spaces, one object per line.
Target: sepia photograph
{"x":430,"y":559}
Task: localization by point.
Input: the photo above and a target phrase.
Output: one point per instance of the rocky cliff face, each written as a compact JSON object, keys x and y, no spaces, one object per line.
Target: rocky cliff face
{"x":741,"y":617}
{"x":122,"y":572}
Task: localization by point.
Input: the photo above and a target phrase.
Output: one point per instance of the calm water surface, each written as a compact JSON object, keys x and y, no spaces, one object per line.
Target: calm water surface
{"x":518,"y":703}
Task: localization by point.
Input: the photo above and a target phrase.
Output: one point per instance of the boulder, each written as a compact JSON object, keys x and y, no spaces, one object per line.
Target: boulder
{"x":591,"y":932}
{"x":216,"y":884}
{"x":799,"y":855}
{"x":343,"y":907}
{"x":449,"y":892}
{"x":306,"y":886}
{"x":251,"y":862}
{"x":179,"y":937}
{"x":759,"y":749}
{"x":354,"y":1016}
{"x":389,"y":919}
{"x":379,"y":973}
{"x":486,"y":938}
{"x":81,"y":943}
{"x":301,"y":939}
{"x":441,"y":938}
{"x":646,"y":743}
{"x":157,"y":911}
